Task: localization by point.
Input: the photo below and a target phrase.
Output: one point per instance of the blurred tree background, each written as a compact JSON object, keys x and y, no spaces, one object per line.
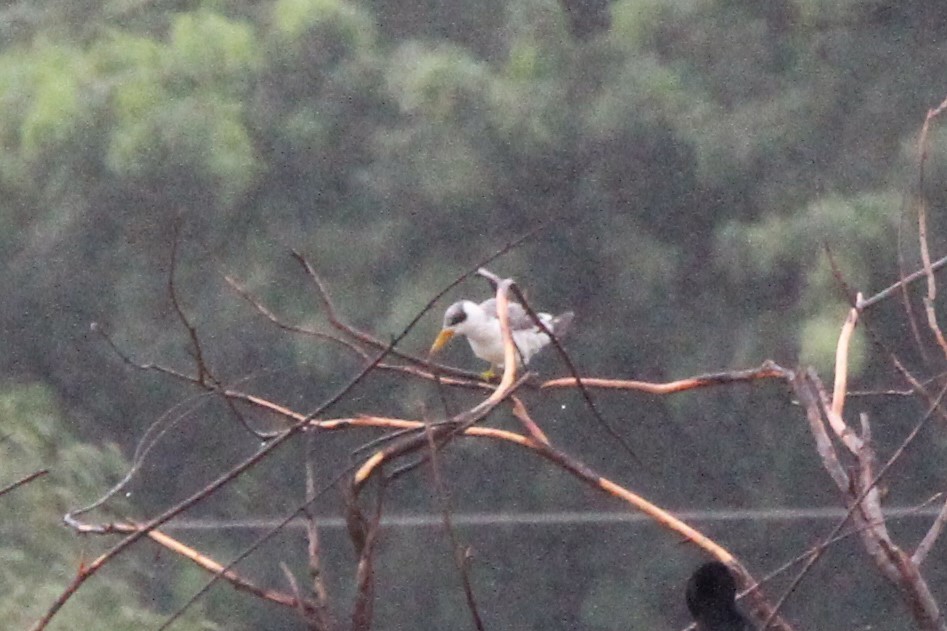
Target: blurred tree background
{"x":692,"y":158}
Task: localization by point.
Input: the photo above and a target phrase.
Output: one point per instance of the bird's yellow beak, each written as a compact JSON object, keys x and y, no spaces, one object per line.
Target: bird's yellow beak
{"x":442,"y":339}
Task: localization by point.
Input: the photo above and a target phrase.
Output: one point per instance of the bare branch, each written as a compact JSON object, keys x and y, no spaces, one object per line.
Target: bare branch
{"x":149,"y":440}
{"x":443,"y":432}
{"x":250,"y":549}
{"x":927,"y":543}
{"x":833,"y":409}
{"x":97,"y":328}
{"x":931,"y":281}
{"x":322,"y":617}
{"x":614,"y":433}
{"x":841,"y":364}
{"x":885,"y":293}
{"x":905,"y":295}
{"x":895,"y":565}
{"x":203,"y":373}
{"x":587,"y":475}
{"x":522,"y":414}
{"x":224,"y":479}
{"x":293,"y":585}
{"x":372,"y":341}
{"x":768,"y":370}
{"x":363,"y":610}
{"x":229,"y":575}
{"x":23,"y":481}
{"x":460,"y":552}
{"x":257,"y":304}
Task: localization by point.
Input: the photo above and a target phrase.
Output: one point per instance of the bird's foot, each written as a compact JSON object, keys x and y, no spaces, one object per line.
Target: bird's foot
{"x":489,"y":375}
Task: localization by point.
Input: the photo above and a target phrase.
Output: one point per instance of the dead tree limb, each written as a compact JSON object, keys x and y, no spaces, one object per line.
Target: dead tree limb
{"x":859,"y":491}
{"x":768,"y":370}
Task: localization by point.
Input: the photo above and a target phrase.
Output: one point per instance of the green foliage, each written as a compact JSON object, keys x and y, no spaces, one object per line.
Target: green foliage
{"x":857,"y":230}
{"x":441,"y":86}
{"x":181,"y":99}
{"x":206,"y":135}
{"x":44,"y":104}
{"x":56,"y":107}
{"x":634,"y":22}
{"x":38,"y":556}
{"x":211,"y":52}
{"x":344,"y":22}
{"x":818,"y":340}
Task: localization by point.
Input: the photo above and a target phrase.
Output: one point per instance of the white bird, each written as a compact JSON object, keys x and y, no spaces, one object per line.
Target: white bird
{"x":481,"y":325}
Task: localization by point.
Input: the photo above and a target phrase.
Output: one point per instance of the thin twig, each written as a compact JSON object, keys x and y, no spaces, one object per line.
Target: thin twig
{"x":586,"y":395}
{"x":253,"y":547}
{"x":23,"y":481}
{"x":363,"y":609}
{"x":459,"y":551}
{"x":810,"y":403}
{"x":585,"y":474}
{"x":927,"y":543}
{"x":293,"y":585}
{"x":149,"y":440}
{"x":91,"y":569}
{"x":459,"y":378}
{"x":322,"y":617}
{"x":885,"y":293}
{"x":203,"y":372}
{"x":905,"y":295}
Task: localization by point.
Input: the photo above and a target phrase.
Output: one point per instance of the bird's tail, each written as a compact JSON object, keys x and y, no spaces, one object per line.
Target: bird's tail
{"x":560,"y":324}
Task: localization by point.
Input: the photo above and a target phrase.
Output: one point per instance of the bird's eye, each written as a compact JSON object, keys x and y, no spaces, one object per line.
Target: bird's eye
{"x":456,"y":318}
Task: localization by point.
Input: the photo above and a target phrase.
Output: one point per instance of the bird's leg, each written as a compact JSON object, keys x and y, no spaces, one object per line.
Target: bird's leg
{"x":489,"y":374}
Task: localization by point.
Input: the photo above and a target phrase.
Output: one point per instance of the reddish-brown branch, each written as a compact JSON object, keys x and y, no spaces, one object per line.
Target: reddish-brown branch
{"x":421,"y":368}
{"x":366,"y":338}
{"x":575,"y":375}
{"x":769,"y":370}
{"x":204,"y":562}
{"x":587,"y":475}
{"x":444,"y":432}
{"x":228,"y":575}
{"x":522,"y":414}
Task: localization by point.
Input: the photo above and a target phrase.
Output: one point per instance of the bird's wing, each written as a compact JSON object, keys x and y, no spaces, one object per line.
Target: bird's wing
{"x":519,"y":318}
{"x":560,"y":324}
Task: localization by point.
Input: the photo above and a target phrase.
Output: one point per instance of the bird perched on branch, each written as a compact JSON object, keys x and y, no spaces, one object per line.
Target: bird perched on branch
{"x":711,"y":598}
{"x":480,"y":323}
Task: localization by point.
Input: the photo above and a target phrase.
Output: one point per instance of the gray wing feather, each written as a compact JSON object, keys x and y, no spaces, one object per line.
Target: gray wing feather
{"x":560,"y":324}
{"x":519,"y":318}
{"x":521,"y":321}
{"x":489,"y":307}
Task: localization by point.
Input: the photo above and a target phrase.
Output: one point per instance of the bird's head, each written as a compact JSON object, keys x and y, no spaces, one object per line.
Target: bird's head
{"x":459,"y":318}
